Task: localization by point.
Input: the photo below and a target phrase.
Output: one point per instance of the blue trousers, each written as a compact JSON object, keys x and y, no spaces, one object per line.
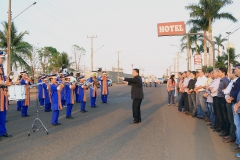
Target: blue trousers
{"x":55,"y":115}
{"x":41,"y":101}
{"x":211,"y":113}
{"x":69,"y":110}
{"x":48,"y":107}
{"x":171,"y":94}
{"x":104,"y":98}
{"x":237,"y":123}
{"x":77,"y":97}
{"x":19,"y":105}
{"x":63,"y":102}
{"x":200,"y":112}
{"x":93,"y":101}
{"x":24,"y":110}
{"x":83,"y":104}
{"x":180,"y":101}
{"x":3,"y":129}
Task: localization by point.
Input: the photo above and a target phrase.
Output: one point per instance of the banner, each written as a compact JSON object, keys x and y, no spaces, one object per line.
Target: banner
{"x":197,"y":61}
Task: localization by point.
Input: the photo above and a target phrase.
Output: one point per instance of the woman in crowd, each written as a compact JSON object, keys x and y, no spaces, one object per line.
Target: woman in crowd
{"x":171,"y":89}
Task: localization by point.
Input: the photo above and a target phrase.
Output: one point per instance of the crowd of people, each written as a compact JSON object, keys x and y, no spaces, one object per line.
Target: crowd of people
{"x":213,"y":96}
{"x":149,"y":81}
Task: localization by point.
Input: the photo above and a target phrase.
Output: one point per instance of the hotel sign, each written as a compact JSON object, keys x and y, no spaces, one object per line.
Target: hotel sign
{"x":171,"y":29}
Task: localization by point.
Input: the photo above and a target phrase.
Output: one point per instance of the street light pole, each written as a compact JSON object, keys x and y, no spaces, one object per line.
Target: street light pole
{"x":118,"y":63}
{"x":228,"y":52}
{"x":91,"y":37}
{"x":24,"y":10}
{"x":9,"y":33}
{"x":9,"y":37}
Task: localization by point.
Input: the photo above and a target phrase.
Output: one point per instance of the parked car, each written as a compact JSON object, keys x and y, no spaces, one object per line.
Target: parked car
{"x":109,"y":82}
{"x":165,"y":81}
{"x":160,"y":80}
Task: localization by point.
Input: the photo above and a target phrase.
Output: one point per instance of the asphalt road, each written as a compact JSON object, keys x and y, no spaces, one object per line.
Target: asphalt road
{"x":105,"y":133}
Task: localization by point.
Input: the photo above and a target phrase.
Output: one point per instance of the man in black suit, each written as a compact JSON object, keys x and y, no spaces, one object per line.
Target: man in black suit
{"x":136,"y":94}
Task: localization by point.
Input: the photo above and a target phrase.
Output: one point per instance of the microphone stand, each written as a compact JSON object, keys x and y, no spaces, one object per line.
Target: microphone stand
{"x":34,"y":126}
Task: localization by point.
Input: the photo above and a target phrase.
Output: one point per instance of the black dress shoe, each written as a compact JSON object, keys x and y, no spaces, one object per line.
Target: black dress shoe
{"x":236,"y":149}
{"x":82,"y":111}
{"x":56,"y":124}
{"x":69,"y":117}
{"x":26,"y":115}
{"x":134,"y":122}
{"x":48,"y":110}
{"x":223,"y":134}
{"x":19,"y":110}
{"x":213,"y":127}
{"x":7,"y":135}
{"x":217,"y":130}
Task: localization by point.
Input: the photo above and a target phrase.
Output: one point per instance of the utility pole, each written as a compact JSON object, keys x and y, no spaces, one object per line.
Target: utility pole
{"x":169,"y":70}
{"x":9,"y":37}
{"x":178,"y":57}
{"x":91,"y":37}
{"x":188,"y":53}
{"x":175,"y":63}
{"x":228,"y":53}
{"x":132,"y":66}
{"x":118,"y":63}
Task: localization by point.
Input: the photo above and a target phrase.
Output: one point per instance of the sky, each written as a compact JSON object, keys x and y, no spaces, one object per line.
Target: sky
{"x":129,"y":26}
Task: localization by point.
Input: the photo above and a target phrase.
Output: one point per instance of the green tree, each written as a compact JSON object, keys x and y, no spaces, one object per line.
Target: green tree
{"x":199,"y":25}
{"x":211,"y":10}
{"x":218,"y":40}
{"x":220,"y":62}
{"x":58,"y":61}
{"x":19,"y":48}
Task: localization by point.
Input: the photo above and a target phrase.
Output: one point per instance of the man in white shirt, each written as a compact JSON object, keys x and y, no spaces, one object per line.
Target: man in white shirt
{"x":232,"y":128}
{"x":200,"y":99}
{"x":185,"y":94}
{"x":214,"y":92}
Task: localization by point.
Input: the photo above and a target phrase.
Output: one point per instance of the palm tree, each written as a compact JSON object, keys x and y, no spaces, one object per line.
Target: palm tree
{"x":58,"y":61}
{"x":201,"y":25}
{"x":220,"y":62}
{"x":210,"y":10}
{"x":219,"y":42}
{"x":232,"y":57}
{"x":19,"y":48}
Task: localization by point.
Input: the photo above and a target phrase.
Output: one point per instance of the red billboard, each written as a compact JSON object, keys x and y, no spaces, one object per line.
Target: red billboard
{"x":171,"y":28}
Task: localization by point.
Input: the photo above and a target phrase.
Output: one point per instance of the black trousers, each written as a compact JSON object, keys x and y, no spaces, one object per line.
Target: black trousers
{"x":223,"y":114}
{"x":136,"y":109}
{"x":232,"y":131}
{"x":216,"y":113}
{"x":186,"y":105}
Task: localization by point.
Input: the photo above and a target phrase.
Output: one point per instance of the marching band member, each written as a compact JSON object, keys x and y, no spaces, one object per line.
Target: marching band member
{"x":19,"y":102}
{"x":69,"y":88}
{"x":46,"y":90}
{"x":63,"y":93}
{"x":93,"y":89}
{"x":77,"y":90}
{"x":26,"y":82}
{"x":55,"y":99}
{"x":4,"y":100}
{"x":104,"y":87}
{"x":40,"y":92}
{"x":82,"y":94}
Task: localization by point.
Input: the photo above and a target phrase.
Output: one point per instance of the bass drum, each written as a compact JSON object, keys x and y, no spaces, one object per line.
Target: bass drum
{"x":16,"y":92}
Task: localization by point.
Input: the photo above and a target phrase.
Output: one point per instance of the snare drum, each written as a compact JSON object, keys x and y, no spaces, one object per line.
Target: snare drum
{"x":16,"y":92}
